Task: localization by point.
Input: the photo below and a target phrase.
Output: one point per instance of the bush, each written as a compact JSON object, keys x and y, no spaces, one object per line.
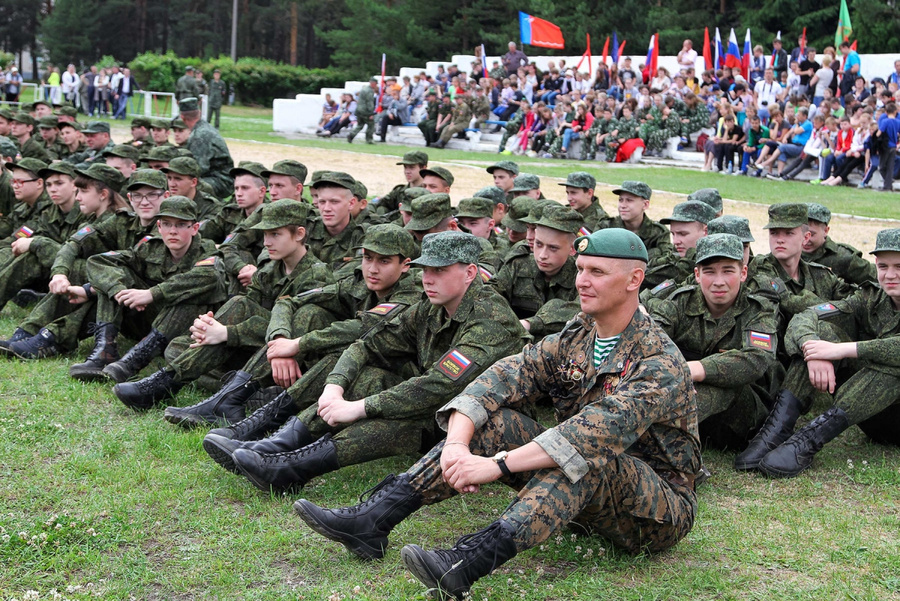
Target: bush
{"x":254,"y":80}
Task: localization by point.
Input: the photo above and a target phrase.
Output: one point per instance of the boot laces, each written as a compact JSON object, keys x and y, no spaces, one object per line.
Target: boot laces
{"x":149,"y":383}
{"x":259,"y":417}
{"x":370,"y":496}
{"x":270,"y":458}
{"x":469,"y":544}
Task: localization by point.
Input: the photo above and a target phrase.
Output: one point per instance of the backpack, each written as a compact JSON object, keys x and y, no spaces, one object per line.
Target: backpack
{"x":701,"y":141}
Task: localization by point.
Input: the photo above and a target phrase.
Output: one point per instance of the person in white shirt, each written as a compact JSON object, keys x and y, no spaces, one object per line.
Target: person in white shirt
{"x":70,"y":81}
{"x":687,"y":57}
{"x":766,"y":93}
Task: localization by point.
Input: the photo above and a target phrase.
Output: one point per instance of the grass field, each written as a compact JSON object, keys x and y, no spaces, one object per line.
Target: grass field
{"x":98,"y":502}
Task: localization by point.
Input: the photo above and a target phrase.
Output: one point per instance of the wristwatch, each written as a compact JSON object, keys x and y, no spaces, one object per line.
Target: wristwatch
{"x":500,"y":460}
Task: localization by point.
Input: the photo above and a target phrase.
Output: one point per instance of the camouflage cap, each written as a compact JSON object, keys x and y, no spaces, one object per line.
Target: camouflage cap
{"x":710,"y":196}
{"x":23,"y":117}
{"x":887,"y":241}
{"x":428,"y":211}
{"x":492,"y":193}
{"x":26,"y":107}
{"x":639,"y":189}
{"x":189,"y":68}
{"x":96,"y":127}
{"x":28,"y":164}
{"x":105,"y":174}
{"x":408,"y":195}
{"x":537,"y":211}
{"x":510,"y":166}
{"x":731,"y":224}
{"x":158,"y":123}
{"x":288,"y":167}
{"x":140,"y":122}
{"x":282,"y":213}
{"x":727,"y":246}
{"x":188,"y":104}
{"x":389,"y":239}
{"x":6,"y":113}
{"x":416,"y":157}
{"x":525,"y":182}
{"x":335,"y":178}
{"x":692,"y":210}
{"x":162,"y":153}
{"x":359,"y":190}
{"x":817,"y":212}
{"x":316,"y":176}
{"x":248,"y":167}
{"x":67,"y":111}
{"x":73,"y":124}
{"x":561,"y":218}
{"x":446,"y":248}
{"x":48,"y":122}
{"x":7,"y":148}
{"x":178,"y":207}
{"x":147,"y":177}
{"x":580,"y":179}
{"x":123,"y":151}
{"x":440,"y":172}
{"x":60,"y":167}
{"x":182,"y":166}
{"x":518,"y":209}
{"x":475,"y":208}
{"x":177,"y":124}
{"x":41,"y":101}
{"x":787,"y":215}
{"x":613,"y":242}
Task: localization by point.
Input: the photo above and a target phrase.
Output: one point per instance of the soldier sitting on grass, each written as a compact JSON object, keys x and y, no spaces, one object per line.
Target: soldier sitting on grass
{"x":845,"y":261}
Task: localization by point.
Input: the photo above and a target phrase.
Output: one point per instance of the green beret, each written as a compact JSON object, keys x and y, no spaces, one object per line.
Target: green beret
{"x":163,"y":153}
{"x":727,"y":246}
{"x":177,"y":124}
{"x":248,"y":167}
{"x":692,"y":210}
{"x":475,"y":208}
{"x":525,"y":182}
{"x":105,"y":174}
{"x":389,"y":239}
{"x":147,"y":177}
{"x":613,"y":242}
{"x":817,"y":212}
{"x":710,"y":196}
{"x":61,"y":167}
{"x":23,"y":117}
{"x":887,"y":241}
{"x":580,"y":179}
{"x":562,"y":219}
{"x":182,"y":166}
{"x":7,"y":148}
{"x":140,"y":122}
{"x":67,"y":111}
{"x":178,"y":207}
{"x":123,"y":151}
{"x":787,"y":215}
{"x":416,"y":157}
{"x":518,"y":209}
{"x":438,"y":172}
{"x":28,"y":164}
{"x":48,"y":122}
{"x":492,"y":193}
{"x":731,"y":224}
{"x":409,"y":194}
{"x":282,"y":213}
{"x":96,"y":127}
{"x":509,"y":166}
{"x":537,"y":211}
{"x":335,"y":178}
{"x":73,"y":124}
{"x":158,"y":123}
{"x":429,"y":210}
{"x":288,"y":167}
{"x":639,"y":189}
{"x":447,"y":248}
{"x":188,"y":104}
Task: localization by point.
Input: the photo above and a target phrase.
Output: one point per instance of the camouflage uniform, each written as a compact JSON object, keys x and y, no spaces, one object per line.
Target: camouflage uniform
{"x":7,"y":199}
{"x":512,"y":127}
{"x":427,"y":125}
{"x":217,"y":92}
{"x":32,"y":147}
{"x":187,"y":86}
{"x":625,"y":129}
{"x":594,"y":215}
{"x":481,"y":110}
{"x":815,"y":284}
{"x":365,"y":114}
{"x":391,"y":201}
{"x":654,"y":234}
{"x":598,"y":128}
{"x":670,"y":265}
{"x":656,"y":131}
{"x":220,"y":226}
{"x":459,"y":121}
{"x":844,"y":260}
{"x":24,"y":216}
{"x":209,"y":149}
{"x":207,"y":206}
{"x":91,"y":155}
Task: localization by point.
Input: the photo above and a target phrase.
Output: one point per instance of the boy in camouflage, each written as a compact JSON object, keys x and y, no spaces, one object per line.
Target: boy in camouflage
{"x":845,"y":261}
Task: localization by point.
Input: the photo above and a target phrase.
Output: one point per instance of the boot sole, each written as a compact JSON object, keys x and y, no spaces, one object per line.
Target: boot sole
{"x":94,"y":375}
{"x":117,"y":375}
{"x":412,"y":557}
{"x":189,"y":420}
{"x":220,"y":455}
{"x":776,"y":473}
{"x":354,"y":545}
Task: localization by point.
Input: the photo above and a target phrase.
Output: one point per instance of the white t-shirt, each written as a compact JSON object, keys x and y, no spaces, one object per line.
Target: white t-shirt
{"x":825,"y":75}
{"x":766,"y":92}
{"x":688,"y":58}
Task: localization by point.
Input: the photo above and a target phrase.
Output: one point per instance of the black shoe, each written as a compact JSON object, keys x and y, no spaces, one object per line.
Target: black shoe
{"x":778,"y":427}
{"x":40,"y":346}
{"x":138,"y":357}
{"x":293,"y":435}
{"x":452,"y":573}
{"x":143,"y":394}
{"x":363,"y":529}
{"x":290,"y":471}
{"x":226,"y":406}
{"x":440,"y":144}
{"x":106,"y":351}
{"x":267,"y":418}
{"x":350,"y":138}
{"x":19,"y":334}
{"x":27,"y":297}
{"x":496,"y":129}
{"x":797,"y":453}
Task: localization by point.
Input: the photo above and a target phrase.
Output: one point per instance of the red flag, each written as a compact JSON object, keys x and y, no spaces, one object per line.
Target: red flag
{"x":605,"y":50}
{"x":586,"y":55}
{"x":379,"y":108}
{"x":853,"y":46}
{"x":621,"y":49}
{"x":654,"y":71}
{"x":538,"y":32}
{"x":803,"y":43}
{"x":707,"y":49}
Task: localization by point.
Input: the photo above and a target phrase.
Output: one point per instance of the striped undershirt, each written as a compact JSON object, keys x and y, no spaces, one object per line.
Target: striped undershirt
{"x":603,"y":347}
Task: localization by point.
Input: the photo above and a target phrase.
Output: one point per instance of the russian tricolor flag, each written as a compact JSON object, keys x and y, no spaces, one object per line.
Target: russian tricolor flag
{"x":733,"y":56}
{"x":745,"y":58}
{"x":720,"y":51}
{"x":653,"y":55}
{"x":484,"y":62}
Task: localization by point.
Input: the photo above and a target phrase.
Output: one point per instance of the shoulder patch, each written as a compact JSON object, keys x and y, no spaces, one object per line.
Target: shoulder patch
{"x":207,"y":262}
{"x":498,"y":230}
{"x":383,"y":309}
{"x":83,"y":232}
{"x":228,"y":238}
{"x":825,"y":309}
{"x":660,"y":287}
{"x":760,"y":340}
{"x":307,"y":292}
{"x":486,"y":275}
{"x":142,"y":240}
{"x":111,"y":253}
{"x":584,"y":232}
{"x":777,"y":285}
{"x":24,"y":232}
{"x":454,"y":364}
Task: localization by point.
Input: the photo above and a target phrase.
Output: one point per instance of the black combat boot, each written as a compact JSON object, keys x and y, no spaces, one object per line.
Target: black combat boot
{"x":778,"y":427}
{"x":106,"y":351}
{"x":363,"y":529}
{"x":27,"y":297}
{"x":143,"y":394}
{"x":290,"y":471}
{"x":227,"y":405}
{"x":138,"y":357}
{"x":797,"y":453}
{"x":40,"y":346}
{"x":293,"y":435}
{"x":18,"y":335}
{"x":452,"y":573}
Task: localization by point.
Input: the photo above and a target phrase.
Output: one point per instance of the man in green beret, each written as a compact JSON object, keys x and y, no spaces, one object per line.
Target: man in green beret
{"x":161,"y":285}
{"x":140,"y":134}
{"x":580,"y":196}
{"x":187,"y":86}
{"x":413,"y":162}
{"x":123,"y":158}
{"x":159,"y":132}
{"x":634,"y":201}
{"x":97,"y":139}
{"x":447,"y":340}
{"x":365,"y":112}
{"x":71,"y":138}
{"x":711,"y":197}
{"x":729,"y":338}
{"x":687,"y":224}
{"x":845,"y":261}
{"x":183,"y":178}
{"x":847,"y":349}
{"x":626,"y":438}
{"x":476,"y":215}
{"x":208,"y":147}
{"x":22,"y":126}
{"x":231,"y":335}
{"x":516,"y":229}
{"x":437,"y":180}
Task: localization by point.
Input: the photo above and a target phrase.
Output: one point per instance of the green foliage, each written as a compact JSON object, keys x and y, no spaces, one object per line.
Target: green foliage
{"x":6,"y":59}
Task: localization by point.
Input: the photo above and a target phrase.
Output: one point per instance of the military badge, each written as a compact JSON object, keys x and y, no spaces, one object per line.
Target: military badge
{"x":454,"y":364}
{"x":582,"y":246}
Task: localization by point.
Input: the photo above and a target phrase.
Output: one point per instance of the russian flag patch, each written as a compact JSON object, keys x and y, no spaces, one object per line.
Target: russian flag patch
{"x":660,"y":287}
{"x":228,"y":238}
{"x":825,"y":309}
{"x":209,"y":261}
{"x":24,"y":232}
{"x":454,"y":364}
{"x":761,"y":340}
{"x":486,"y":275}
{"x":142,"y":240}
{"x":85,"y":231}
{"x":383,"y":308}
{"x":584,"y":232}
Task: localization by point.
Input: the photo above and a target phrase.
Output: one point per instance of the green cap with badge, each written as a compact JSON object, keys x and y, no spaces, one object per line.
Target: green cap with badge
{"x":447,"y":248}
{"x":334,"y":178}
{"x":112,"y":178}
{"x":23,"y":117}
{"x":57,"y":167}
{"x":580,"y":179}
{"x":248,"y":167}
{"x":440,"y":172}
{"x":416,"y":157}
{"x":123,"y":151}
{"x":639,"y":189}
{"x":159,"y":123}
{"x":719,"y":246}
{"x":96,"y":127}
{"x":181,"y":166}
{"x":519,"y":208}
{"x":537,"y":210}
{"x":163,"y":153}
{"x":787,"y":215}
{"x":282,"y":213}
{"x":188,"y":104}
{"x":28,"y":164}
{"x":710,"y":196}
{"x":48,"y":122}
{"x":510,"y":166}
{"x":817,"y":212}
{"x":7,"y":148}
{"x":492,"y":193}
{"x":140,"y":122}
{"x":731,"y":224}
{"x":560,"y":218}
{"x":613,"y":242}
{"x":389,"y":239}
{"x":409,"y":194}
{"x":887,"y":241}
{"x":429,"y":210}
{"x":288,"y":167}
{"x":178,"y":207}
{"x":475,"y":208}
{"x":146,"y":177}
{"x":526,"y":182}
{"x":692,"y":210}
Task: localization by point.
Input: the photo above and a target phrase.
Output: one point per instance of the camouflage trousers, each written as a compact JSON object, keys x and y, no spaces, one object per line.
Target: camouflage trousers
{"x":368,"y":123}
{"x":451,"y":130}
{"x":626,"y":501}
{"x":654,"y":137}
{"x":728,"y":416}
{"x":427,"y":128}
{"x":511,"y":129}
{"x":611,"y":149}
{"x":68,"y":322}
{"x":24,"y":271}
